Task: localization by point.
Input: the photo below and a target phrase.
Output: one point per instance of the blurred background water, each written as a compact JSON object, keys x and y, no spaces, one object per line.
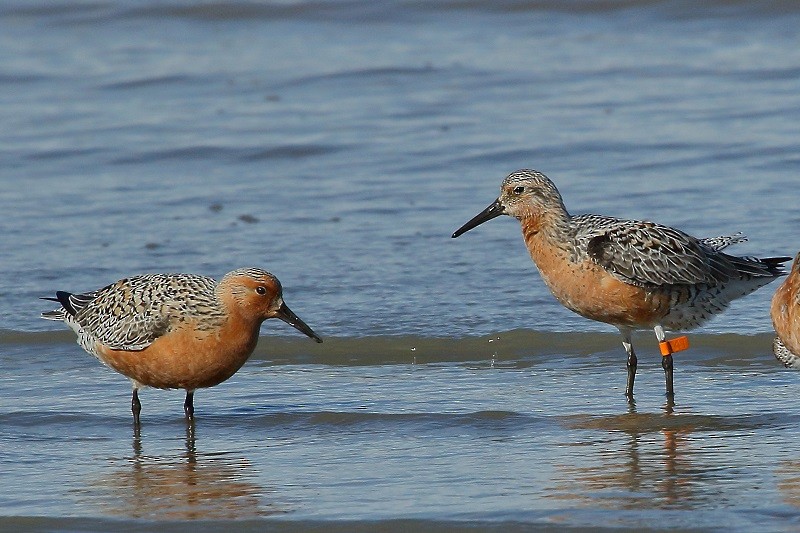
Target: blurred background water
{"x":338,"y":144}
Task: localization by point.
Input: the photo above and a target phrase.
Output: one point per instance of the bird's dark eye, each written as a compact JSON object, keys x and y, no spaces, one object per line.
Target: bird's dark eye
{"x":261,"y":290}
{"x":519,"y":190}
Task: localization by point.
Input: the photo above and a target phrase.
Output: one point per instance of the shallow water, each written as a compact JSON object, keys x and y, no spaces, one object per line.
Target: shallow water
{"x":542,"y":438}
{"x":338,"y":145}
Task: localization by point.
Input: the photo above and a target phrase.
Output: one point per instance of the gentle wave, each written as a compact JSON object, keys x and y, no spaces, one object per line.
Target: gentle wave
{"x":153,"y":81}
{"x":24,"y":523}
{"x":222,"y":153}
{"x":298,"y":420}
{"x":480,"y":421}
{"x":394,"y":10}
{"x":362,"y":74}
{"x":725,"y":348}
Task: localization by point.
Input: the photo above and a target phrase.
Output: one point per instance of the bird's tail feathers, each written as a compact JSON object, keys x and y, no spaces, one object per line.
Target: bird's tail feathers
{"x":769,"y":267}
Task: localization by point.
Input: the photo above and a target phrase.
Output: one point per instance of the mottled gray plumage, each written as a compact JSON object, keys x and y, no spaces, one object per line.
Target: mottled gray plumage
{"x":723,"y":241}
{"x":647,"y":254}
{"x":133,"y":312}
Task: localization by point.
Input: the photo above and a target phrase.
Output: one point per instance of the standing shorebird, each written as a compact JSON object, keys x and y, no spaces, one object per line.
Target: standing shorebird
{"x":786,"y":318}
{"x":631,"y":274}
{"x":176,"y":331}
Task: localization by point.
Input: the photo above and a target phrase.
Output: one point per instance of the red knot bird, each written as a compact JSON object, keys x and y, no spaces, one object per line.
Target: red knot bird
{"x":627,"y":273}
{"x":786,"y":318}
{"x":176,"y":331}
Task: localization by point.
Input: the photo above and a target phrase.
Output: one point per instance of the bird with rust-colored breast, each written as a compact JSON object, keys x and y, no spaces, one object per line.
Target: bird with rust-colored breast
{"x":785,"y":313}
{"x":176,"y":331}
{"x":628,"y":273}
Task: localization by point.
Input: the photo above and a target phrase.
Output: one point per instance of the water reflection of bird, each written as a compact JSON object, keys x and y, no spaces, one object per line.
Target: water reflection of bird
{"x":646,"y":461}
{"x":188,"y":486}
{"x":788,"y":482}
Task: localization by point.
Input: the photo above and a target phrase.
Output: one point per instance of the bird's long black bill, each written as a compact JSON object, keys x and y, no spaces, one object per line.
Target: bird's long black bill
{"x":286,"y":314}
{"x":493,"y":211}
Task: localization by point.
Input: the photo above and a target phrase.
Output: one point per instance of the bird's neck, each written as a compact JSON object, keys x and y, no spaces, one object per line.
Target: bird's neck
{"x":551,"y":228}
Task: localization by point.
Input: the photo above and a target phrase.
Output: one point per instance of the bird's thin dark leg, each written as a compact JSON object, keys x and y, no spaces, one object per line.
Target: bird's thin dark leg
{"x":666,"y":363}
{"x":631,"y":364}
{"x":188,"y":405}
{"x":136,"y":407}
{"x":669,"y":405}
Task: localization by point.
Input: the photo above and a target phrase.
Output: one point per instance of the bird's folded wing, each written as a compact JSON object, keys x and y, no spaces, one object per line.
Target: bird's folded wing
{"x":648,"y":254}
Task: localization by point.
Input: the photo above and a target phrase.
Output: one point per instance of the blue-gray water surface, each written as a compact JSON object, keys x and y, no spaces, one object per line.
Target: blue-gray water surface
{"x":338,"y":144}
